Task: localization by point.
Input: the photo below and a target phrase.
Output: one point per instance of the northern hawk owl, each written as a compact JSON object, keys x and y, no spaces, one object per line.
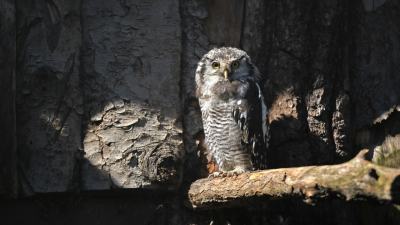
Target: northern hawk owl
{"x":234,"y":114}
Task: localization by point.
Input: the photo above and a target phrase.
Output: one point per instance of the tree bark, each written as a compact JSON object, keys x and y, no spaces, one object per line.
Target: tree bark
{"x":357,"y":179}
{"x":132,"y":123}
{"x":48,"y":95}
{"x":8,"y":141}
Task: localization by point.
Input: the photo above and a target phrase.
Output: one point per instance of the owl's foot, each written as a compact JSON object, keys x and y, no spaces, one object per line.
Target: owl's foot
{"x":222,"y":174}
{"x":231,"y":173}
{"x":215,"y":174}
{"x":238,"y":170}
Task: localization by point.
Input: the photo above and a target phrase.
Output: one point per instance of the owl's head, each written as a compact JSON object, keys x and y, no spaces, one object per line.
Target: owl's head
{"x":225,"y":63}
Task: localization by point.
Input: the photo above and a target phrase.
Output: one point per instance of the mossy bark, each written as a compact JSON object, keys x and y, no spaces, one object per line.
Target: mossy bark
{"x":358,"y":179}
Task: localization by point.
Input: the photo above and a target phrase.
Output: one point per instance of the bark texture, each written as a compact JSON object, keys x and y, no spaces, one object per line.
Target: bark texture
{"x":375,"y":78}
{"x":132,"y":123}
{"x":49,"y":98}
{"x":104,"y":92}
{"x":305,"y":78}
{"x":109,"y":117}
{"x":357,"y":179}
{"x":8,"y":142}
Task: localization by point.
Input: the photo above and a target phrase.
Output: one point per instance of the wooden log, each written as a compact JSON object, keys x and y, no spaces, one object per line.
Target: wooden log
{"x":358,"y":179}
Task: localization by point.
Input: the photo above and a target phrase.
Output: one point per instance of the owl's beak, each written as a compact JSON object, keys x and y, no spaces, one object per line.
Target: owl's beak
{"x":226,"y":68}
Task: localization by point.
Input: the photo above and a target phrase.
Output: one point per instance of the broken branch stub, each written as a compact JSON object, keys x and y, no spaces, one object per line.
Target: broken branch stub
{"x":163,"y":165}
{"x":358,"y":179}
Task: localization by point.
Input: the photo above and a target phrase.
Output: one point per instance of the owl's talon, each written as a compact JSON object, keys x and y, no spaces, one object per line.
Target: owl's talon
{"x":232,"y":173}
{"x":215,"y":174}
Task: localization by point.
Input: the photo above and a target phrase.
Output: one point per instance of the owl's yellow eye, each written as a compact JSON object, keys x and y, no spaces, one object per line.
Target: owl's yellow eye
{"x":215,"y":65}
{"x":235,"y":64}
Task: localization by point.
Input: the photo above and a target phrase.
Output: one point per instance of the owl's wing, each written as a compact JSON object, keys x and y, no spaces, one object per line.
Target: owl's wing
{"x":251,"y":114}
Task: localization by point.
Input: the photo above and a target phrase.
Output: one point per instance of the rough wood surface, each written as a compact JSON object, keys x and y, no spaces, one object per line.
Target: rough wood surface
{"x":374,"y":81}
{"x":131,"y":68}
{"x":48,"y":95}
{"x":357,"y":179}
{"x":8,"y":144}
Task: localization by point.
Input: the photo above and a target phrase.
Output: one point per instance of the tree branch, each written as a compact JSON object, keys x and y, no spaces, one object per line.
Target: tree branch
{"x":357,"y":179}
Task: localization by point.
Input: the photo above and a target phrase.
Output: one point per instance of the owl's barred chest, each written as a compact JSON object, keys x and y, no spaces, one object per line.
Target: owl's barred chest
{"x":223,"y":134}
{"x":214,"y":109}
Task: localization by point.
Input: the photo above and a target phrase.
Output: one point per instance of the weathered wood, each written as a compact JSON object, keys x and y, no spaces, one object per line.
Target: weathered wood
{"x":375,"y":78}
{"x":49,"y":95}
{"x":228,"y":30}
{"x":131,"y":65}
{"x":357,"y":179}
{"x":8,"y":144}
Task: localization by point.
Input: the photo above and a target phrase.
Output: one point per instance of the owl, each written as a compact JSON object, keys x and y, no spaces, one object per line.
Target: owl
{"x":235,"y":117}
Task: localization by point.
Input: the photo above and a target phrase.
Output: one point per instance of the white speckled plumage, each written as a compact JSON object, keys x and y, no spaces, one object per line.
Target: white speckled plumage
{"x":233,"y":110}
